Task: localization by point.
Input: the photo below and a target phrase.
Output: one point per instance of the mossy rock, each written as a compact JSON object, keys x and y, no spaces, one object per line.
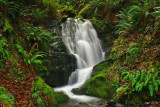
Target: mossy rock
{"x":102,"y":66}
{"x":61,"y":97}
{"x":98,"y":86}
{"x":48,"y":91}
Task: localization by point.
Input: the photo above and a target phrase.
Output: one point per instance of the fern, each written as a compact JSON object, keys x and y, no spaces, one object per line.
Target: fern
{"x":7,"y":27}
{"x":39,"y":101}
{"x":29,"y":58}
{"x":39,"y":15}
{"x":151,"y":90}
{"x":143,"y":79}
{"x":3,"y":50}
{"x":132,"y":45}
{"x":156,"y":14}
{"x":134,"y":51}
{"x":35,"y":95}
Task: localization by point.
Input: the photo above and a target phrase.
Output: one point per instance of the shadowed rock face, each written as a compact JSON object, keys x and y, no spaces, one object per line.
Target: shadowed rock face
{"x":61,"y":62}
{"x":61,"y":69}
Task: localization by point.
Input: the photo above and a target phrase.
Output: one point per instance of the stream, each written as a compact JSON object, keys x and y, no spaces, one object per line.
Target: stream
{"x":82,"y":41}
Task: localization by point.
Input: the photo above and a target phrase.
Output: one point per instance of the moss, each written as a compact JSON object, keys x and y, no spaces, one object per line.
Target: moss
{"x":5,"y":98}
{"x":101,"y":67}
{"x":48,"y":91}
{"x":79,"y":16}
{"x":61,"y":97}
{"x":105,"y":87}
{"x":39,"y":84}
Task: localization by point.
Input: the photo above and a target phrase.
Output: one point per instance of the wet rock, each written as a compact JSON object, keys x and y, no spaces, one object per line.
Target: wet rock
{"x":62,"y":64}
{"x":111,"y":103}
{"x":83,"y":104}
{"x":101,"y":102}
{"x":77,"y":91}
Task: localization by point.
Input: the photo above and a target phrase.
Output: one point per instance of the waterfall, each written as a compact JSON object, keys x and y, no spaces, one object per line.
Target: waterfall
{"x":81,"y":40}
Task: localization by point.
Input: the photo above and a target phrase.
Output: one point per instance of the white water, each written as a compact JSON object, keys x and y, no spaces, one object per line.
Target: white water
{"x":81,"y":40}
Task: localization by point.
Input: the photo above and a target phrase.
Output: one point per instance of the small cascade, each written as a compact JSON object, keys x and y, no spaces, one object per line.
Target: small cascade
{"x":81,"y":40}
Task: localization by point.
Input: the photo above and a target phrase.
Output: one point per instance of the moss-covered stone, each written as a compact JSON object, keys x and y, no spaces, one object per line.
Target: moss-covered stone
{"x":40,"y":86}
{"x":99,"y":86}
{"x":101,"y":67}
{"x":61,"y":97}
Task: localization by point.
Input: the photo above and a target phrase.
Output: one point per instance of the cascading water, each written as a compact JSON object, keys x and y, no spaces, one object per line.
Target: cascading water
{"x":81,"y":40}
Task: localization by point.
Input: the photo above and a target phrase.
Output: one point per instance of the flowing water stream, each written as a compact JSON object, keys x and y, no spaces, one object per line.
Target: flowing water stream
{"x":81,"y":40}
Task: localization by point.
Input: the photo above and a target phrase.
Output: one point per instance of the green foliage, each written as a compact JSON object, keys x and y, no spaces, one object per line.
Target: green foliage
{"x":134,"y":51}
{"x":84,"y":10}
{"x":156,"y":13}
{"x":39,"y":35}
{"x":5,"y":98}
{"x":121,"y":91}
{"x":31,"y":58}
{"x":96,"y":4}
{"x":3,"y":50}
{"x":40,"y":86}
{"x":39,"y":15}
{"x":11,"y":8}
{"x":7,"y":27}
{"x":49,"y":6}
{"x":24,"y":12}
{"x":39,"y":101}
{"x":47,"y":3}
{"x":35,"y":95}
{"x":78,"y":16}
{"x":111,"y":4}
{"x":128,"y":20}
{"x":99,"y":26}
{"x":132,"y":45}
{"x":92,"y":8}
{"x":143,"y":79}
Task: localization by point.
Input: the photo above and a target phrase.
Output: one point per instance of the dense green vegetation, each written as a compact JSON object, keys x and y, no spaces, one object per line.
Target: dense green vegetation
{"x":130,"y":28}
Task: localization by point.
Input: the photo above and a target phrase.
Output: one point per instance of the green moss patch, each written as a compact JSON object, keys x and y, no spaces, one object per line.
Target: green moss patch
{"x":5,"y":98}
{"x":61,"y":97}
